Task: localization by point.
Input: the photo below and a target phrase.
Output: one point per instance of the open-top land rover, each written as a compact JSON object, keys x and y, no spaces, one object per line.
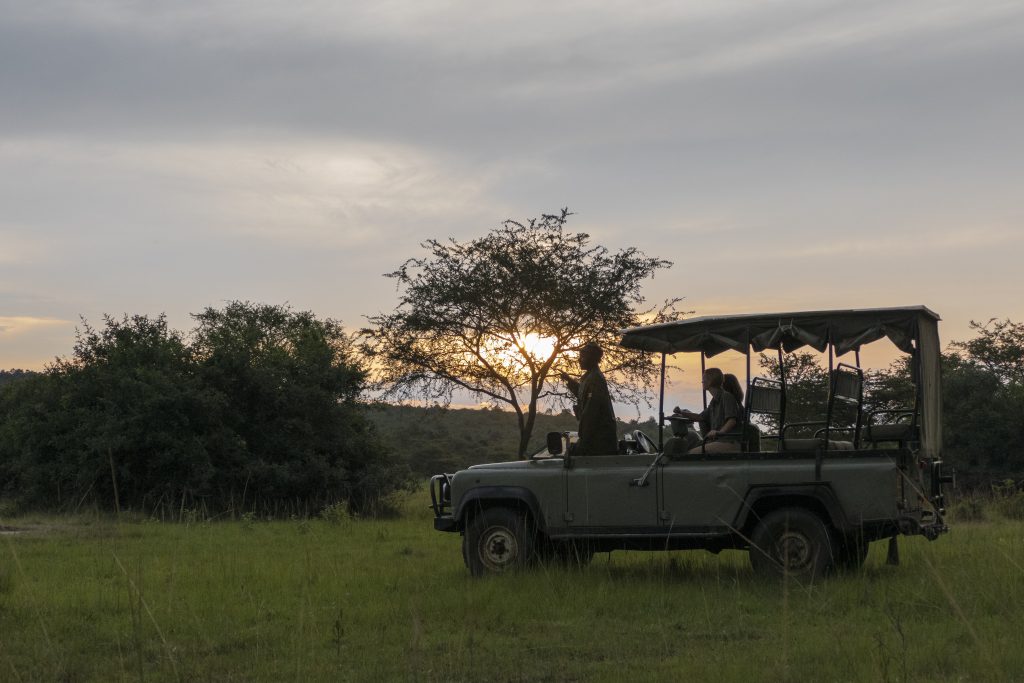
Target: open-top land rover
{"x":802,"y":500}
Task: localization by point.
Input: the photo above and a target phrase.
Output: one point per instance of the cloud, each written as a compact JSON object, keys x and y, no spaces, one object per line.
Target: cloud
{"x":333,"y":193}
{"x":917,"y":243}
{"x":19,"y":246}
{"x":507,"y":77}
{"x":167,"y":156}
{"x":11,"y":326}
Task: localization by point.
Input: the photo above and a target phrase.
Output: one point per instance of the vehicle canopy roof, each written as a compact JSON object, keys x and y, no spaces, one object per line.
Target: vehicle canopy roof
{"x":846,"y":330}
{"x":913,"y":329}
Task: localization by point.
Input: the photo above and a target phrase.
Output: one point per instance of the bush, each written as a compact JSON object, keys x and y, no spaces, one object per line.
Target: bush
{"x":259,"y":412}
{"x":1008,"y":500}
{"x":971,"y":509}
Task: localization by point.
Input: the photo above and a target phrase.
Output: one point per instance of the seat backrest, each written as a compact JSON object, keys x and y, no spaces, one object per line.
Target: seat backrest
{"x":846,"y":390}
{"x":764,"y":397}
{"x":847,"y":383}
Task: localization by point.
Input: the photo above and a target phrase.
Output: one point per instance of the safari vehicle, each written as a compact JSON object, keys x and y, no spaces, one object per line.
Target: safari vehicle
{"x":800,"y":504}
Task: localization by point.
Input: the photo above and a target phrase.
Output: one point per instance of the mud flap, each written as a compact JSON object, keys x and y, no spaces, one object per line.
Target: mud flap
{"x":893,"y":556}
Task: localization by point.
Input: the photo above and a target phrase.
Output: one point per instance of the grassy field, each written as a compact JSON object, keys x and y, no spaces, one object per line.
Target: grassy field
{"x":97,"y":600}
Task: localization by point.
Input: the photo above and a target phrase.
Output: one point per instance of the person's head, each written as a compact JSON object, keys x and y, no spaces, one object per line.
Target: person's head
{"x":712,"y":379}
{"x":731,"y":384}
{"x":590,"y":356}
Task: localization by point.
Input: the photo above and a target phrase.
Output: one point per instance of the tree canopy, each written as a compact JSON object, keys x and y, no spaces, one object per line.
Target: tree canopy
{"x":998,"y":348}
{"x":501,"y":315}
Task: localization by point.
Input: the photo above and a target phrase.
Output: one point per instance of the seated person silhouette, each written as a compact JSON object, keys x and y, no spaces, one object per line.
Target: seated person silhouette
{"x":719,"y":422}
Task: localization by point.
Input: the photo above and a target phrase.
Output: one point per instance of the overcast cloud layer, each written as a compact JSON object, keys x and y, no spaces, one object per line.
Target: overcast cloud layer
{"x":163,"y":157}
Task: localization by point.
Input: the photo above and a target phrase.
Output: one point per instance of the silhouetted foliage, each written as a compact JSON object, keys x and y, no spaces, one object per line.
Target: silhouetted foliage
{"x":292,"y":384}
{"x":467,"y":311}
{"x":14,"y":374}
{"x":259,"y":411}
{"x":998,"y":348}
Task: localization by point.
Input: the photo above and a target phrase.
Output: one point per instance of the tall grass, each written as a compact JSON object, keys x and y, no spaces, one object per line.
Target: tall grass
{"x":91,"y":599}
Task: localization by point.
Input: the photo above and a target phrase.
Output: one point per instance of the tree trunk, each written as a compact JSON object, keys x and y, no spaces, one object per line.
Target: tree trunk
{"x":526,"y":427}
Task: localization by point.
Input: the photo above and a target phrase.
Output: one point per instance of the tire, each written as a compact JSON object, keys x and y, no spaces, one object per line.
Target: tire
{"x":850,"y":552}
{"x":791,"y":542}
{"x":497,"y":540}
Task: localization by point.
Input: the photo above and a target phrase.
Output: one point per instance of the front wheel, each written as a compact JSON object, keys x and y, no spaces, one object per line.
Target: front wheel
{"x":497,"y":541}
{"x":791,"y":542}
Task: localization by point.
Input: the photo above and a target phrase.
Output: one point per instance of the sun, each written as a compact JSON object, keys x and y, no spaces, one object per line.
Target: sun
{"x":517,"y":352}
{"x":539,"y":348}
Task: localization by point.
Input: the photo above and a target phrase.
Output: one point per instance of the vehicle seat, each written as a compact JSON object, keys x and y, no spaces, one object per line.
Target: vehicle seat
{"x":814,"y":443}
{"x":902,"y":429}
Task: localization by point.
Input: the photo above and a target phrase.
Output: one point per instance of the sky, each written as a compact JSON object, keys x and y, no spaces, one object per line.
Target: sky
{"x":162,"y":157}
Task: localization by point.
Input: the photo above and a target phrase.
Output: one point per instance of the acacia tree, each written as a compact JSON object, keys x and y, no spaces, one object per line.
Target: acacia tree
{"x":500,"y":316}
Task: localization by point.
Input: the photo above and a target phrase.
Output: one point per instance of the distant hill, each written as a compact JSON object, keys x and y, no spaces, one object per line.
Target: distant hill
{"x":434,"y":440}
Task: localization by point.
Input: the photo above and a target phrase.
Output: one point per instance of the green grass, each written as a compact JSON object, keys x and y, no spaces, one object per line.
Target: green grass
{"x":94,"y":600}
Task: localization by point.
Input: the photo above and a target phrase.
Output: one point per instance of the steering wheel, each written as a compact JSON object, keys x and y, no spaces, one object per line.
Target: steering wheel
{"x":644,"y":443}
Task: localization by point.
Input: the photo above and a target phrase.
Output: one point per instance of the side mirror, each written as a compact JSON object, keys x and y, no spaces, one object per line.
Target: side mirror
{"x":555,"y":443}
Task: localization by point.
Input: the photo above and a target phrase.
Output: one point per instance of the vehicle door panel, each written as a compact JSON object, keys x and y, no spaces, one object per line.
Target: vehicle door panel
{"x":700,"y":495}
{"x":599,"y":493}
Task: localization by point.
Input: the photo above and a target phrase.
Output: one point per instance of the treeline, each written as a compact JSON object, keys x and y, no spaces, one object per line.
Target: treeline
{"x":13,"y":375}
{"x":255,"y":409}
{"x":435,"y":440}
{"x":261,"y":408}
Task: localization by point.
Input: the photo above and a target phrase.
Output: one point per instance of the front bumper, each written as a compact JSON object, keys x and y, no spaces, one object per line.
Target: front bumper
{"x":446,"y":523}
{"x":441,"y":502}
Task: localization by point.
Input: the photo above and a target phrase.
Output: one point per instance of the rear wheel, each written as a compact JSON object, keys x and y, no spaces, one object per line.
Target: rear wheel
{"x":791,"y":542}
{"x":497,"y":541}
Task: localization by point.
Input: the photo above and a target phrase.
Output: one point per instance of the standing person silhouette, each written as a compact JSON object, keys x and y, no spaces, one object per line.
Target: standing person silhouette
{"x":594,"y":413}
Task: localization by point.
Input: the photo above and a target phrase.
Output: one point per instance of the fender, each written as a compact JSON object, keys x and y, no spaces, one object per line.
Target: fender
{"x":493,"y":494}
{"x":818,"y":492}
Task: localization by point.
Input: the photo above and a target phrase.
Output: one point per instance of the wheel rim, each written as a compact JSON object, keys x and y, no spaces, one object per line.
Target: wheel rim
{"x":794,"y":551}
{"x":498,"y":548}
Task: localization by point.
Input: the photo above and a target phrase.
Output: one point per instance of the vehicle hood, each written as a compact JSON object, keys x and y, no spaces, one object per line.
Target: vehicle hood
{"x":513,"y":465}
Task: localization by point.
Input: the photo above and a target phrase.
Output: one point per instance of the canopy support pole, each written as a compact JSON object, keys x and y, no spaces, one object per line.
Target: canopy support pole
{"x":661,"y":408}
{"x":747,"y":392}
{"x":831,"y":393}
{"x":860,"y":404}
{"x":703,"y":394}
{"x":782,"y":399}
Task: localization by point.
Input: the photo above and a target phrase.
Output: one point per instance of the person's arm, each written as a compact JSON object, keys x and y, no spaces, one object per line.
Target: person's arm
{"x":729,"y":426}
{"x":574,"y":385}
{"x":687,"y":413}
